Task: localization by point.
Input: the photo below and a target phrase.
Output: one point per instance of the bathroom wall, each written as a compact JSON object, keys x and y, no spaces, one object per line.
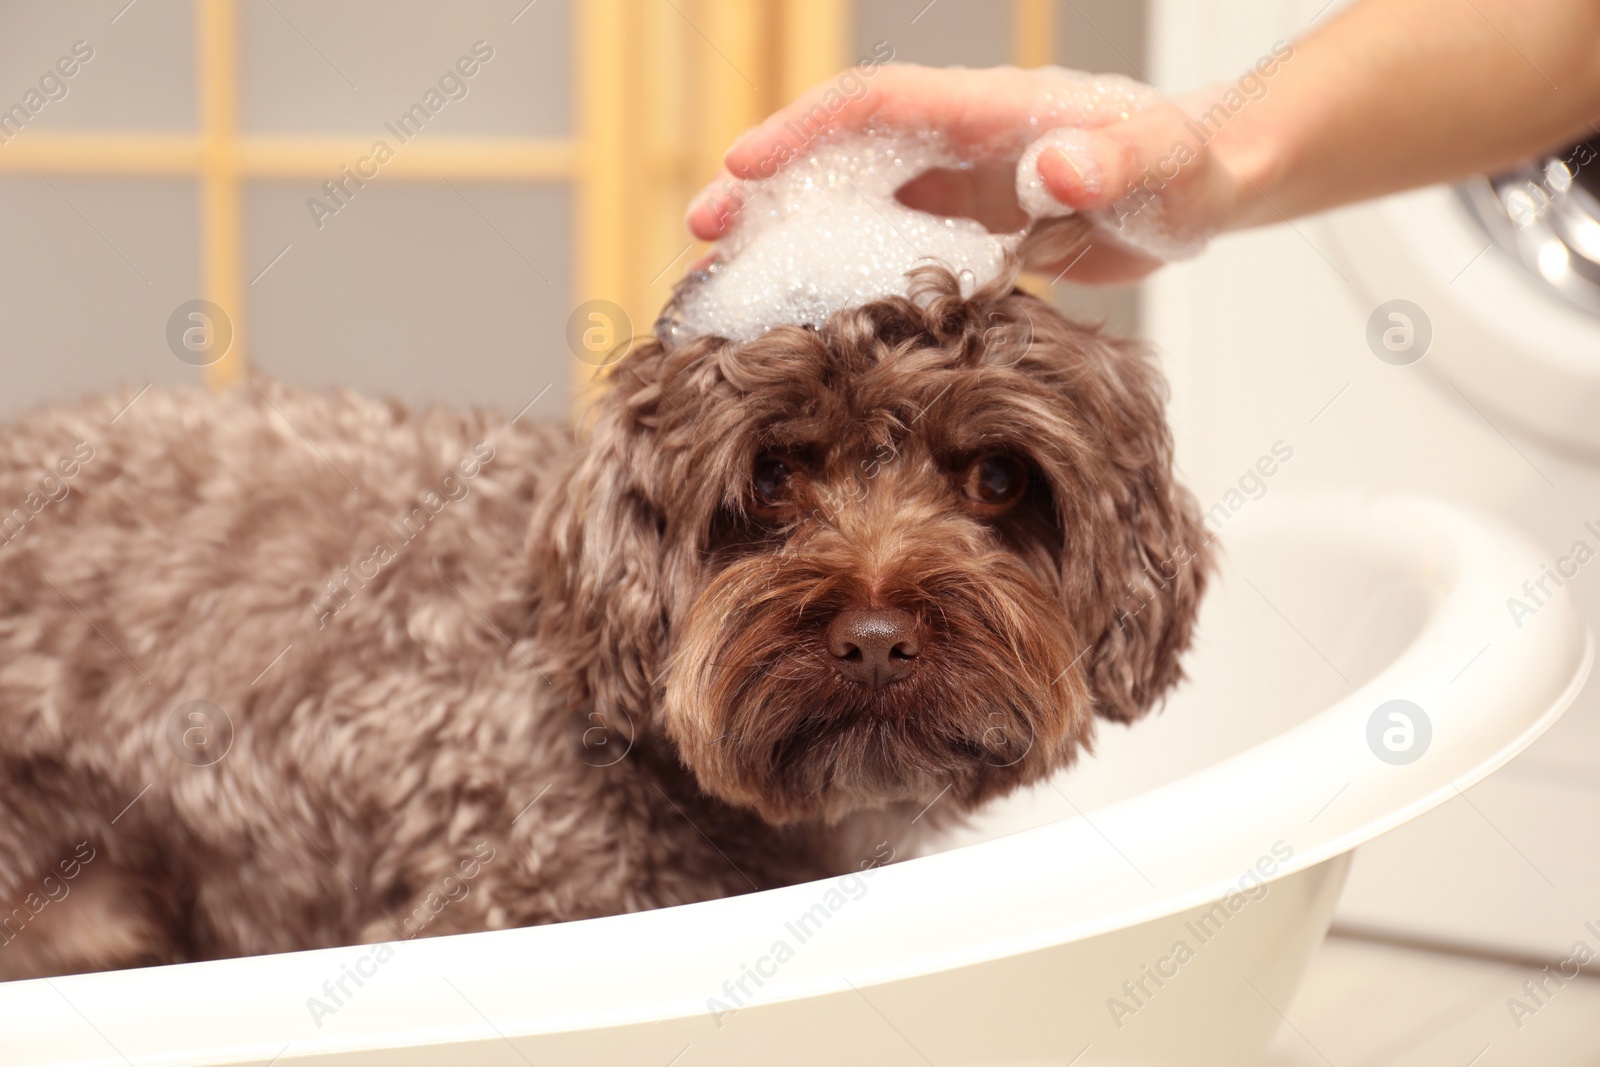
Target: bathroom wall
{"x":420,"y":290}
{"x":1264,"y":337}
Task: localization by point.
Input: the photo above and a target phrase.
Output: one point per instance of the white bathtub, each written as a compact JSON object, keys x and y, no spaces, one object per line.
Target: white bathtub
{"x":1012,"y":950}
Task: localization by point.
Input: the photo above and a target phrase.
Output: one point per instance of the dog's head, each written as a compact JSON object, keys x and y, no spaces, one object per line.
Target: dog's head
{"x":917,"y":550}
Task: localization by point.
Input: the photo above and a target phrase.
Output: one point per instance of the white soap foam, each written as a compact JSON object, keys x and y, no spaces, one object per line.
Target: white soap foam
{"x":1074,"y":144}
{"x":1139,"y":222}
{"x":826,"y":232}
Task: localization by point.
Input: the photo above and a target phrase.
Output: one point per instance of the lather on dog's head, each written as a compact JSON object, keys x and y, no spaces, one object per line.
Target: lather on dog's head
{"x":918,"y":549}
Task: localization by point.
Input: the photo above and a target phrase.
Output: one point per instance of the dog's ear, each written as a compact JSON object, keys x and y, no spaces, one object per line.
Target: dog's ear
{"x":1152,"y":556}
{"x":597,"y":553}
{"x":1133,"y":553}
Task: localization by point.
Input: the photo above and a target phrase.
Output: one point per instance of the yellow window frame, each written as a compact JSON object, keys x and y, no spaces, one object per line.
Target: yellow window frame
{"x":633,"y":162}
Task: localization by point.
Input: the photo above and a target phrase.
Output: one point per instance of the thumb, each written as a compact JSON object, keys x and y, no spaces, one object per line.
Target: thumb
{"x":1092,"y":172}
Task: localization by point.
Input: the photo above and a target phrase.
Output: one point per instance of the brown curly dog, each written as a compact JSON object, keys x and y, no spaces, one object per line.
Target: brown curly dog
{"x":281,"y":670}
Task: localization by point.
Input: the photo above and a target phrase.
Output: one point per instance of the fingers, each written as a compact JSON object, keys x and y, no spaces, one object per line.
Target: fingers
{"x":1074,"y":250}
{"x":758,"y":153}
{"x":985,"y":191}
{"x":1072,"y":179}
{"x":1106,"y":264}
{"x":714,"y":208}
{"x":786,"y":133}
{"x":981,"y":113}
{"x":1154,"y":146}
{"x":970,"y":107}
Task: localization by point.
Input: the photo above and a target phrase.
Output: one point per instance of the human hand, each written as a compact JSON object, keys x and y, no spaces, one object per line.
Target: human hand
{"x":989,"y":117}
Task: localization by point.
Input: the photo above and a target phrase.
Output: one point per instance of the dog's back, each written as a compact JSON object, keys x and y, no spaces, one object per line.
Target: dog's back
{"x":208,"y":603}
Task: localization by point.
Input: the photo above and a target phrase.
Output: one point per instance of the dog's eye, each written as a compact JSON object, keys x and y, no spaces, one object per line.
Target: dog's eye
{"x":994,"y":483}
{"x":770,"y":484}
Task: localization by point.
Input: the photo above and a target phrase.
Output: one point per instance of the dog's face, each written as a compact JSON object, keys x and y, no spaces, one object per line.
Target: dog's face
{"x":912,"y":553}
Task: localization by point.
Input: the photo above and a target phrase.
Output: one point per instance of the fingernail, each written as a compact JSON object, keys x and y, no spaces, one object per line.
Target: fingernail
{"x":1072,"y":164}
{"x":700,"y":206}
{"x":731,"y":156}
{"x":1075,"y":149}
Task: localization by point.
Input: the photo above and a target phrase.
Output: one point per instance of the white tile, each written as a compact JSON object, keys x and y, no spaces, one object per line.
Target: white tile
{"x":1370,"y":1005}
{"x":1508,"y":867}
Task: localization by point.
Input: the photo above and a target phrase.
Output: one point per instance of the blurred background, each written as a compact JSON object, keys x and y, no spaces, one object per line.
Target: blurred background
{"x":186,"y":158}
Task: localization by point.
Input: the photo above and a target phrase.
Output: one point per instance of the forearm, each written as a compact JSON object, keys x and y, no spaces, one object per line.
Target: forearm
{"x":1392,"y":94}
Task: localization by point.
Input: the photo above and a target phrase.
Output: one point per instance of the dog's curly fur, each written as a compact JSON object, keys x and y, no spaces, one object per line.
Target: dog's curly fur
{"x":589,"y":672}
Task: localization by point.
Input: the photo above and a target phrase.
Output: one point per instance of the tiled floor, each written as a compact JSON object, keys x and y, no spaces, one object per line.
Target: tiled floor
{"x":1364,"y":1004}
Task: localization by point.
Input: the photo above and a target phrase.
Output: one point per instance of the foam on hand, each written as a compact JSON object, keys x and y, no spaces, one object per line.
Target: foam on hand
{"x":826,"y":232}
{"x":1073,"y":142}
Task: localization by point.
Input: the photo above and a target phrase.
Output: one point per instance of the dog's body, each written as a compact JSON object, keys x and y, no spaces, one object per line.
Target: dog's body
{"x":423,"y":718}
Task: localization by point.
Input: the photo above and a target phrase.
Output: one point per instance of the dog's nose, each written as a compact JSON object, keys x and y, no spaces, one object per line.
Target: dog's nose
{"x":874,"y":647}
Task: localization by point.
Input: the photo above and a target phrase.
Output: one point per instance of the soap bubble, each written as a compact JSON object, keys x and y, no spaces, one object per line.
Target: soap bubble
{"x":826,"y":233}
